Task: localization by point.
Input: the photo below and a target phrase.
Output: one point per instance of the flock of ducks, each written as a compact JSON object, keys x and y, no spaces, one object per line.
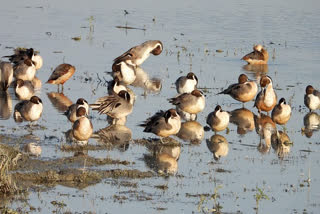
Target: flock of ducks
{"x":119,"y":103}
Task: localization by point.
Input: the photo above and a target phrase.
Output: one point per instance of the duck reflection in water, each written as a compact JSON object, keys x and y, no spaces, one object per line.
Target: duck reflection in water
{"x":311,"y":123}
{"x":5,"y":105}
{"x":163,"y":158}
{"x":150,"y":85}
{"x":59,"y":101}
{"x":191,"y":131}
{"x":243,"y":119}
{"x":281,"y":144}
{"x":256,"y":71}
{"x":265,"y":127}
{"x":114,"y":136}
{"x":218,"y":145}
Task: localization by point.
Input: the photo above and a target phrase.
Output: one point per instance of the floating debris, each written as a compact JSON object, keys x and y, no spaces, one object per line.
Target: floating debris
{"x":77,"y":38}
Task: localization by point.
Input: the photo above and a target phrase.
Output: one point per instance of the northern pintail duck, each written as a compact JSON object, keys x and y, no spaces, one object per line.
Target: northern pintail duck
{"x":137,"y":55}
{"x":71,"y":113}
{"x":21,"y":54}
{"x":82,"y":128}
{"x":281,"y":113}
{"x":24,"y":89}
{"x":29,"y":110}
{"x":117,"y":106}
{"x":115,"y":86}
{"x":186,"y":84}
{"x":6,"y":75}
{"x":267,"y":97}
{"x":258,"y":56}
{"x":124,"y":72}
{"x":312,"y":98}
{"x":192,"y":103}
{"x":218,"y":120}
{"x":24,"y":70}
{"x":219,"y":146}
{"x":61,"y":74}
{"x":243,"y":91}
{"x":163,"y":124}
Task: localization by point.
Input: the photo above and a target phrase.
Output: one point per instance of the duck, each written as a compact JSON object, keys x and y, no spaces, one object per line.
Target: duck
{"x":82,"y":128}
{"x":24,"y":70}
{"x":71,"y":113}
{"x":244,"y":91}
{"x":258,"y":56}
{"x":115,"y":86}
{"x":281,"y":113}
{"x":186,"y":84}
{"x":20,"y":54}
{"x":24,"y":89}
{"x":267,"y":97}
{"x":137,"y":55}
{"x":125,"y":72}
{"x":312,"y":98}
{"x":6,"y":75}
{"x":163,"y":124}
{"x":29,"y":110}
{"x":192,"y":103}
{"x":218,"y":120}
{"x":218,"y":145}
{"x":117,"y":106}
{"x":61,"y":74}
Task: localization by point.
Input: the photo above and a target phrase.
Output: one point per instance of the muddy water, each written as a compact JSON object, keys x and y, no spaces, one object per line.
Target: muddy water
{"x":191,"y":34}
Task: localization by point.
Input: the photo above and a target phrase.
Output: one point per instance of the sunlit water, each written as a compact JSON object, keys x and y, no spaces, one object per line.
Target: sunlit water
{"x":191,"y":33}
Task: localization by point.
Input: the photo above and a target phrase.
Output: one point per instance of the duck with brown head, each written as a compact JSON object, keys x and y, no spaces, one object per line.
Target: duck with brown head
{"x":25,"y":70}
{"x":267,"y":97}
{"x":163,"y":124}
{"x":138,"y":54}
{"x":61,"y":74}
{"x":186,"y":84}
{"x":24,"y":89}
{"x":71,"y":113}
{"x":244,"y":91}
{"x":82,"y":128}
{"x":192,"y":103}
{"x":258,"y":56}
{"x":218,"y":120}
{"x":117,"y":106}
{"x":312,"y":98}
{"x":29,"y":110}
{"x":281,"y":113}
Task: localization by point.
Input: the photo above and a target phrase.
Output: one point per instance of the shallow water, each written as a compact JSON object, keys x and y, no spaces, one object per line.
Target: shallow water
{"x":195,"y":31}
